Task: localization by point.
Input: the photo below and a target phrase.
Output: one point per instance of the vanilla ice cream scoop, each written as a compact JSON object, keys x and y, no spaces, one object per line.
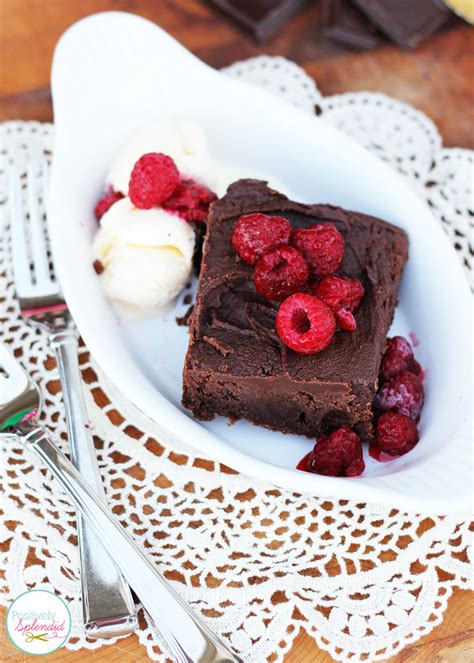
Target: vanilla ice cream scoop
{"x":146,"y":255}
{"x":184,"y":141}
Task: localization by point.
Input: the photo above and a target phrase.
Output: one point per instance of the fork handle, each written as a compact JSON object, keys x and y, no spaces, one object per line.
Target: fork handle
{"x":107,"y":602}
{"x":189,"y":639}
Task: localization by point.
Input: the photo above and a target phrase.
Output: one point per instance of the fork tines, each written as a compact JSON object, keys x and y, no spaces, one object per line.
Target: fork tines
{"x":33,"y":273}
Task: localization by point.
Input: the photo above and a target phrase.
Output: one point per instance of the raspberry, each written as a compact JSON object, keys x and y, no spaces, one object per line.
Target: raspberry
{"x":255,"y":234}
{"x":153,"y":179}
{"x":398,"y":357}
{"x":106,"y":202}
{"x":343,"y":295}
{"x":323,"y":247}
{"x":396,"y":434}
{"x":190,"y":200}
{"x":305,"y":324}
{"x":345,"y":320}
{"x":337,"y":455}
{"x":280,"y":272}
{"x":340,"y":292}
{"x":402,"y":393}
{"x":418,"y":370}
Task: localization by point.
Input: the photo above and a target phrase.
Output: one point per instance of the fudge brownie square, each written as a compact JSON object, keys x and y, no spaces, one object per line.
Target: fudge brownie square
{"x":236,"y":366}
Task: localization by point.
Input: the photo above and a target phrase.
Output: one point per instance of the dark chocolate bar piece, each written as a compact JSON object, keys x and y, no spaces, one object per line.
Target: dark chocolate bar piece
{"x":262,"y":18}
{"x":345,"y":23}
{"x":407,"y":22}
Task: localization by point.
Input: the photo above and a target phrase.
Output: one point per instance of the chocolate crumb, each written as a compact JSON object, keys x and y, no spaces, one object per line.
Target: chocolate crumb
{"x":187,"y":299}
{"x":98,"y":267}
{"x":220,"y":346}
{"x":183,"y":320}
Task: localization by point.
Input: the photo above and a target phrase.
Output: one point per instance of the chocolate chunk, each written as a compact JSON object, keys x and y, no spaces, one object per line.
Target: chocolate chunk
{"x":183,"y":320}
{"x":345,"y":23}
{"x":262,"y":18}
{"x":236,"y":365}
{"x":98,"y":267}
{"x":407,"y":22}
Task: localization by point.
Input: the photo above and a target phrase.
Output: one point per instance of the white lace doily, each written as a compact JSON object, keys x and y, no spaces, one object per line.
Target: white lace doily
{"x":257,"y":562}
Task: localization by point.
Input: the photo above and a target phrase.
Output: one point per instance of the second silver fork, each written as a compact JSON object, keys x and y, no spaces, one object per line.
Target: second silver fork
{"x":108,"y":606}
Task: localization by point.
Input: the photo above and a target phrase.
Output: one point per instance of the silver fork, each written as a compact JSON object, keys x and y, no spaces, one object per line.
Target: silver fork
{"x":108,"y":607}
{"x":188,"y":638}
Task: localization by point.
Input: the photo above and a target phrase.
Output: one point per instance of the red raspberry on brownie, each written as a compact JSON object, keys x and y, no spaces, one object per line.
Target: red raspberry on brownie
{"x":337,"y":455}
{"x":255,"y":234}
{"x":345,"y":320}
{"x":398,"y":357}
{"x":402,"y":393}
{"x":305,"y":324}
{"x":322,"y":246}
{"x":153,"y":179}
{"x":343,"y":295}
{"x":190,"y":200}
{"x":396,"y":434}
{"x":280,"y":272}
{"x":106,"y":202}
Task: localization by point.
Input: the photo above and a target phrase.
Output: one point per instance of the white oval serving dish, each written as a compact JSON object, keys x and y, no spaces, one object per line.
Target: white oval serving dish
{"x":114,"y":72}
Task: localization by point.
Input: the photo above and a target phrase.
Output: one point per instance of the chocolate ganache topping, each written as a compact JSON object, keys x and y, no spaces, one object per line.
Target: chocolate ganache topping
{"x":237,"y":366}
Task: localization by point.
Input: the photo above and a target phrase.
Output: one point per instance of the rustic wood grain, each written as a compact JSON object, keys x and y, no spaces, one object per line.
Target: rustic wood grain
{"x":437,"y":78}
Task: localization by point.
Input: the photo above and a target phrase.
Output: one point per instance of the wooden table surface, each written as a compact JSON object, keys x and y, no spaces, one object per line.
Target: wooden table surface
{"x":436,"y":78}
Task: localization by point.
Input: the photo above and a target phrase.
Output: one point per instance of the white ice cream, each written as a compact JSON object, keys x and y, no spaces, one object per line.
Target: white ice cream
{"x":185,"y":142}
{"x":147,"y":256}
